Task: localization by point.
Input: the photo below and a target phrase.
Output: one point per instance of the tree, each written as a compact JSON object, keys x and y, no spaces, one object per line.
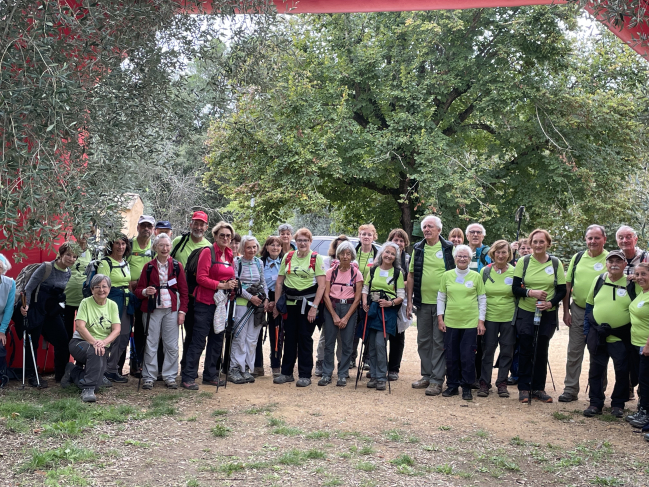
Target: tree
{"x":466,"y":114}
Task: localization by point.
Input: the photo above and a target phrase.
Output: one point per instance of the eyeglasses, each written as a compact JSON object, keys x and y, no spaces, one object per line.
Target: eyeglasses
{"x":224,"y":235}
{"x":475,"y":232}
{"x":461,"y":257}
{"x":301,"y":240}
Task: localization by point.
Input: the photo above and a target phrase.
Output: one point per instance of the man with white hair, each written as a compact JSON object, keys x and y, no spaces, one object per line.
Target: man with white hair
{"x":475,"y":234}
{"x":431,"y":257}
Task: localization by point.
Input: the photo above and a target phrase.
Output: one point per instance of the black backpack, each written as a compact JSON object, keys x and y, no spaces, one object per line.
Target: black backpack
{"x":181,"y":244}
{"x":192,"y":266}
{"x":601,"y":280}
{"x":395,"y":278}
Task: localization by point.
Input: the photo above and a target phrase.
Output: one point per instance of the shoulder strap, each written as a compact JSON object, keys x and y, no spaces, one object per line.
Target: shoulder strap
{"x":260,"y":266}
{"x":149,"y":270}
{"x":486,"y":274}
{"x":555,"y":268}
{"x":395,"y":278}
{"x":181,"y":245}
{"x":369,"y":285}
{"x":578,"y":257}
{"x":314,"y":255}
{"x":630,"y":289}
{"x":289,"y":256}
{"x":600,"y":282}
{"x":240,"y":266}
{"x":526,"y":263}
{"x":46,"y":274}
{"x":334,"y":275}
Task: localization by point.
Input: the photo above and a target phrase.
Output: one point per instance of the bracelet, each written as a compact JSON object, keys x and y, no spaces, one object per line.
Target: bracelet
{"x":392,"y":301}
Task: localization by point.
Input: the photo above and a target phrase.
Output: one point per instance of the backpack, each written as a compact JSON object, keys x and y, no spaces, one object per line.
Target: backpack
{"x":257,"y":261}
{"x":395,"y":278}
{"x":486,"y":274}
{"x":91,"y":271}
{"x":526,"y":262}
{"x":181,"y":245}
{"x":192,"y":266}
{"x":601,"y":280}
{"x":578,"y":257}
{"x":334,"y":275}
{"x":24,"y":277}
{"x":142,"y":254}
{"x":149,"y":270}
{"x":289,"y":256}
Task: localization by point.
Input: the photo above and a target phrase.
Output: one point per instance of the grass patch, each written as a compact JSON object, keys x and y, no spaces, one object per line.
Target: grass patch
{"x":612,"y":481}
{"x":231,"y":467}
{"x":445,"y":428}
{"x":274,"y":422}
{"x":608,"y":418}
{"x":366,"y":450}
{"x":430,"y":448}
{"x":192,"y":483}
{"x":403,"y":460}
{"x":291,"y":457}
{"x":482,"y":434}
{"x":220,"y":431}
{"x":332,"y":482}
{"x":318,"y":435}
{"x":64,"y":429}
{"x":205,"y":395}
{"x":268,"y":408}
{"x":506,"y":463}
{"x":137,"y":443}
{"x":366,"y":466}
{"x":287,"y":431}
{"x":446,"y":469}
{"x":516,"y":441}
{"x":559,"y":416}
{"x":68,"y":475}
{"x":314,"y":454}
{"x":394,"y":435}
{"x":343,"y":435}
{"x":68,"y":453}
{"x":219,"y":412}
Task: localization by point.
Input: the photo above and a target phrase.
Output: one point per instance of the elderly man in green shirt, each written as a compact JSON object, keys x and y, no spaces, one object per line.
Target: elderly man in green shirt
{"x":584,"y":267}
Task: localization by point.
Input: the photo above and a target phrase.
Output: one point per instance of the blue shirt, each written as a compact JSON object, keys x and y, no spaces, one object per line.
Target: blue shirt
{"x":8,"y":305}
{"x":271,"y":269}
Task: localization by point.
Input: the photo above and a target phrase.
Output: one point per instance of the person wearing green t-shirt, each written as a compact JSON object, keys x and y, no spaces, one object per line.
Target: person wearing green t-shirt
{"x":302,"y":278}
{"x":382,"y":295}
{"x":639,"y":312}
{"x":607,"y":315}
{"x":74,"y":288}
{"x":461,"y":310}
{"x":584,"y":267}
{"x":539,"y":284}
{"x":182,"y":246}
{"x":98,"y":326}
{"x":498,"y":278}
{"x":431,"y":257}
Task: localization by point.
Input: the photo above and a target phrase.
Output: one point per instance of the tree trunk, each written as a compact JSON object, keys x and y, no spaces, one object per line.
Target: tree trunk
{"x":405,"y":205}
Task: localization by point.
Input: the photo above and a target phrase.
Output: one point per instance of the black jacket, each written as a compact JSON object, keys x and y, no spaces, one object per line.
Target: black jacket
{"x":418,"y":256}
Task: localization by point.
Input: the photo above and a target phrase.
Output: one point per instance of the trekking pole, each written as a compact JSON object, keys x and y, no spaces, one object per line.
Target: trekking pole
{"x":385,"y":339}
{"x":146,"y":334}
{"x":228,"y":340}
{"x":360,"y":356}
{"x":518,"y":217}
{"x":31,"y":345}
{"x":24,"y":353}
{"x":551,"y":376}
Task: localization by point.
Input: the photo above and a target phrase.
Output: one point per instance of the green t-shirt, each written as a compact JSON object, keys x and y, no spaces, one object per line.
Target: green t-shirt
{"x":539,"y":277}
{"x":587,"y":270}
{"x":74,"y":288}
{"x":139,"y":258}
{"x":500,"y":299}
{"x":119,"y":277}
{"x":639,"y":311}
{"x":300,"y":276}
{"x":188,"y":248}
{"x":380,"y":281}
{"x":433,"y":270}
{"x":615,"y":312}
{"x":99,"y":319}
{"x":365,"y":260}
{"x":461,"y":298}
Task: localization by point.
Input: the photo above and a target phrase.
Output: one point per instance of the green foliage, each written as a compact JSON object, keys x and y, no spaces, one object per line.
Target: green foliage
{"x":67,"y":453}
{"x":220,"y":431}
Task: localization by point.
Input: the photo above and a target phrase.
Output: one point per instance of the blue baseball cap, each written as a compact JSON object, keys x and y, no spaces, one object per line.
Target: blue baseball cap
{"x":164,"y":224}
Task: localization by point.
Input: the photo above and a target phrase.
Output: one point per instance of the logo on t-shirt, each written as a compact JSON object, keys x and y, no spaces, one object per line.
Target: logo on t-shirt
{"x":640,"y":304}
{"x":549,"y":271}
{"x":469,"y":284}
{"x":439,"y":254}
{"x":509,"y":281}
{"x":621,"y":292}
{"x":598,"y":267}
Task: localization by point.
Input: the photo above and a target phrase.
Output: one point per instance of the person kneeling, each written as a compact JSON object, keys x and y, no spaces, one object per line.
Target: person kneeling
{"x":98,"y":325}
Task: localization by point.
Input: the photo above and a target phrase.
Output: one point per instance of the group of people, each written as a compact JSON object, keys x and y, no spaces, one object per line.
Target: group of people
{"x":468,"y":299}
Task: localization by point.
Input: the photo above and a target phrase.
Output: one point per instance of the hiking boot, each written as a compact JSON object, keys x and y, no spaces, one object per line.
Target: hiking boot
{"x":380,"y":385}
{"x":303,"y":382}
{"x":352,"y":364}
{"x":484,"y":390}
{"x":635,"y":415}
{"x":542,"y":396}
{"x":393,"y":376}
{"x":568,"y":397}
{"x":512,"y":381}
{"x":466,"y":394}
{"x":191,"y":386}
{"x":325,"y":381}
{"x":371,"y":384}
{"x":646,"y":437}
{"x":617,"y":412}
{"x":342,"y":381}
{"x":258,"y":372}
{"x":171,"y":384}
{"x":640,"y":420}
{"x":502,"y":390}
{"x":433,"y":389}
{"x":421,"y":383}
{"x":235,"y":376}
{"x":248,"y":377}
{"x":148,"y":385}
{"x":592,"y":411}
{"x":451,"y":391}
{"x":277,"y":371}
{"x":631,"y":394}
{"x":88,"y":395}
{"x":366,"y":366}
{"x":524,"y":396}
{"x":105,"y":382}
{"x":115,"y":377}
{"x":34,"y":383}
{"x":475,"y":385}
{"x":65,"y":380}
{"x":283,"y":379}
{"x":215,"y":382}
{"x":318,"y":368}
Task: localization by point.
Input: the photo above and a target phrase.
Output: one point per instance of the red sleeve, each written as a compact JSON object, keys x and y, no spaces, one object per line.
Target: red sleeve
{"x":183,"y":289}
{"x":141,"y":283}
{"x":203,"y":271}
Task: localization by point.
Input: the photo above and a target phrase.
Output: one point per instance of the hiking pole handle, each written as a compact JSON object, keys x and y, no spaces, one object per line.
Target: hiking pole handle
{"x":23,"y":299}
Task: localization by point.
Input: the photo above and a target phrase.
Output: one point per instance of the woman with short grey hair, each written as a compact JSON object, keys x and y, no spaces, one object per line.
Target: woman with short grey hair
{"x":285,"y":232}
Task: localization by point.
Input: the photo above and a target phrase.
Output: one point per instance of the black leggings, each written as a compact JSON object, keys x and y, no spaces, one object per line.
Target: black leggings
{"x":53,"y":330}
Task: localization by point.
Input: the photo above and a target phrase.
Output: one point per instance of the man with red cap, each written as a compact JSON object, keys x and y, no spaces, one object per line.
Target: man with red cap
{"x":182,"y":246}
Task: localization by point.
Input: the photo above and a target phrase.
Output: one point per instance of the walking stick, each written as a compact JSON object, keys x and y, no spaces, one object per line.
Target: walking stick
{"x":385,"y":339}
{"x":518,"y":217}
{"x":360,"y":356}
{"x":31,"y":346}
{"x":24,"y":353}
{"x":551,"y":376}
{"x":228,"y":335}
{"x":146,"y":334}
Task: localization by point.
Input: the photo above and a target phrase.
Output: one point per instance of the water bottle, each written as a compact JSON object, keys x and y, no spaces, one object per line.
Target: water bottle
{"x":537,"y":315}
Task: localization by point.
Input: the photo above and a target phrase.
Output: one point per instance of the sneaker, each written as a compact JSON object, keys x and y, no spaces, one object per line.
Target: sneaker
{"x":65,"y":380}
{"x":342,"y":381}
{"x":451,"y":391}
{"x":352,"y":364}
{"x":475,"y":385}
{"x":568,"y":397}
{"x":318,"y":368}
{"x":434,"y":389}
{"x":421,"y":383}
{"x":258,"y":372}
{"x":325,"y":381}
{"x":88,"y":395}
{"x":393,"y":376}
{"x":303,"y":382}
{"x":277,"y":371}
{"x":542,"y":396}
{"x":216,"y":382}
{"x":484,"y":390}
{"x":235,"y":376}
{"x":248,"y":377}
{"x":171,"y":384}
{"x":283,"y":379}
{"x":640,"y":420}
{"x":148,"y":385}
{"x":380,"y":385}
{"x":512,"y":381}
{"x":366,"y":366}
{"x":646,"y":437}
{"x":502,"y":390}
{"x":115,"y":377}
{"x":191,"y":386}
{"x":592,"y":411}
{"x":524,"y":396}
{"x":105,"y":382}
{"x":466,"y":394}
{"x":371,"y":384}
{"x":617,"y":412}
{"x":35,"y":383}
{"x":635,"y":415}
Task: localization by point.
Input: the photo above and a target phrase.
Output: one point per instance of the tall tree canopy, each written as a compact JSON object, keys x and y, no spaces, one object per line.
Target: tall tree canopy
{"x":466,"y":114}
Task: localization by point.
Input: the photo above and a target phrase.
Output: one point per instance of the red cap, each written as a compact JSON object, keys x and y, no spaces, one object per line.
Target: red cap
{"x":200,"y":215}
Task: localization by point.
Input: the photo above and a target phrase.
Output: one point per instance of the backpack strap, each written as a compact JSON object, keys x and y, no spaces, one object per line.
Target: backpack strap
{"x":46,"y":274}
{"x":526,"y":263}
{"x":314,"y":256}
{"x":555,"y":268}
{"x":600,"y":282}
{"x":578,"y":257}
{"x":181,"y":245}
{"x":287,"y":265}
{"x":486,"y":274}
